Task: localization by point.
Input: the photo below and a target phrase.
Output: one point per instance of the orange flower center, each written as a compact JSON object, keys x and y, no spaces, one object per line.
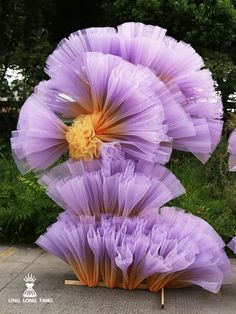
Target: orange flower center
{"x":82,"y":139}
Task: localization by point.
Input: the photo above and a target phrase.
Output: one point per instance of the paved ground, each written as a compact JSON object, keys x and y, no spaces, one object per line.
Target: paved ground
{"x":55,"y":297}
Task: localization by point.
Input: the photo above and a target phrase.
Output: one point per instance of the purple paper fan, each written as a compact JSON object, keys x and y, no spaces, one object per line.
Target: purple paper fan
{"x":111,"y":185}
{"x":95,"y":100}
{"x":169,"y":249}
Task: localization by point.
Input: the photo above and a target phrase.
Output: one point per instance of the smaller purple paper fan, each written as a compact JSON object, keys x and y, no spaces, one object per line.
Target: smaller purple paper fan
{"x":111,"y":185}
{"x":232,"y":151}
{"x":169,"y":249}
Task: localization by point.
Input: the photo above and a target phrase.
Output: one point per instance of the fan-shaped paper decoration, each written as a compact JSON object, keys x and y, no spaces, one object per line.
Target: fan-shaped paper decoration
{"x":170,"y":249}
{"x":111,"y":185}
{"x":192,"y":109}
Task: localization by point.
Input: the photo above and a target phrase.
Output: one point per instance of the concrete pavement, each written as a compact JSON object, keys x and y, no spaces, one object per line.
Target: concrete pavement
{"x":53,"y":296}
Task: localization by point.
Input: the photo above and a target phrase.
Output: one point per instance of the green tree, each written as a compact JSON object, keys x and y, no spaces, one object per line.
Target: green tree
{"x":24,"y":46}
{"x":30,"y":29}
{"x":209,"y":26}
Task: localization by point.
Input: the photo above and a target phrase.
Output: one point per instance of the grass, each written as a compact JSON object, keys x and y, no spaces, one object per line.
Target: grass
{"x":210,"y":189}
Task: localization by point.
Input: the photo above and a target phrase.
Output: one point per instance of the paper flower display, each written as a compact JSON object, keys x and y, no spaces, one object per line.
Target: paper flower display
{"x":170,"y":249}
{"x":232,"y":151}
{"x":99,"y":132}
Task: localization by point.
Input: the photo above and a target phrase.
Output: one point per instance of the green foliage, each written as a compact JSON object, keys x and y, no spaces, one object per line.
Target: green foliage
{"x":30,"y":30}
{"x":209,"y":26}
{"x":223,"y":67}
{"x":205,"y":23}
{"x":25,"y":209}
{"x":31,"y":65}
{"x":24,"y":46}
{"x":210,"y":189}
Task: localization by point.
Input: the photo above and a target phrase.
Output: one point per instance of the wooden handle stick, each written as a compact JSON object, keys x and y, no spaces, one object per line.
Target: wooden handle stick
{"x":162,"y":298}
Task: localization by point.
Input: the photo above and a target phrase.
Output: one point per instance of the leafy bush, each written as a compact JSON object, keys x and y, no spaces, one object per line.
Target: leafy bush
{"x":25,"y":209}
{"x":210,"y":189}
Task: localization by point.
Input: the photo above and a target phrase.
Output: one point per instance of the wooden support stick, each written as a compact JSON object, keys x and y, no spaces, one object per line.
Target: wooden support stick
{"x":219,"y":294}
{"x":162,"y":298}
{"x":101,"y":284}
{"x":120,"y":285}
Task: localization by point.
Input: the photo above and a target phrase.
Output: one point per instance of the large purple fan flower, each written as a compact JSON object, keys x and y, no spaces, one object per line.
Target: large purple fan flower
{"x":111,"y":185}
{"x":192,"y":109}
{"x":94,"y":100}
{"x":169,"y":249}
{"x":232,"y":151}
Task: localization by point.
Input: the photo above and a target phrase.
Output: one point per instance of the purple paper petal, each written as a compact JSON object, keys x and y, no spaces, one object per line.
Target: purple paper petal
{"x":232,"y":151}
